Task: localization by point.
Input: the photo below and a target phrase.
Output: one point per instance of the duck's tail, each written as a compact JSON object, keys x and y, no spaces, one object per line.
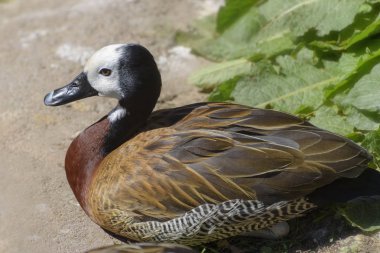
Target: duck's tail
{"x":346,"y":189}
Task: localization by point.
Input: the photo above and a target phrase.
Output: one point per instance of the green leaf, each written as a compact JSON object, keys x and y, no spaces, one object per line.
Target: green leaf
{"x":208,"y":77}
{"x":363,"y":213}
{"x":361,"y":120}
{"x":270,"y":48}
{"x":299,"y":16}
{"x":365,"y":94}
{"x":365,"y":25}
{"x":355,"y":67}
{"x":372,"y":143}
{"x":305,"y":112}
{"x":239,"y":41}
{"x":368,"y":31}
{"x":223,"y":91}
{"x":356,"y":136}
{"x":270,"y":30}
{"x":327,"y":117}
{"x":299,"y":84}
{"x":232,"y":11}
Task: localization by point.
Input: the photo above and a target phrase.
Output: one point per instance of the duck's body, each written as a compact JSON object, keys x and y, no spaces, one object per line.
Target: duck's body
{"x":201,"y":172}
{"x":215,"y":157}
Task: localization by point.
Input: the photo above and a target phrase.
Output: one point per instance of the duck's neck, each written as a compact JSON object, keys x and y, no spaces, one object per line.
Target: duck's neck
{"x":124,"y":123}
{"x":97,"y":141}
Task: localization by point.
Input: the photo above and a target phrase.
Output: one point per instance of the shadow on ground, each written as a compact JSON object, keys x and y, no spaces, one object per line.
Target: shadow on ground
{"x":319,"y":231}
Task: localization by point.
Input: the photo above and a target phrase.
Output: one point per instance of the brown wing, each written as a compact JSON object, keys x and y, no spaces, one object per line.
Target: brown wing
{"x":217,"y":152}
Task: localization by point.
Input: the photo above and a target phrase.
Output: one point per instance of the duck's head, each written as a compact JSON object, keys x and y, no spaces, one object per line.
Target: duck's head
{"x":126,"y":72}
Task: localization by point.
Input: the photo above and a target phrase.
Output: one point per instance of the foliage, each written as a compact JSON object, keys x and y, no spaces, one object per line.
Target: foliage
{"x":357,"y":213}
{"x":319,"y":59}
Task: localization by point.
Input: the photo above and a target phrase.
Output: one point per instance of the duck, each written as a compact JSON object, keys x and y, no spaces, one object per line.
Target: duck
{"x":144,"y":248}
{"x":200,"y":172}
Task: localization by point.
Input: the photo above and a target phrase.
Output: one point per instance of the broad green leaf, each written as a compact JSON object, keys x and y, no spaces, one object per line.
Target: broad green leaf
{"x":365,"y":25}
{"x":244,"y":29}
{"x":328,"y":118}
{"x":223,"y":91}
{"x":359,"y":119}
{"x":325,"y":45}
{"x":208,"y":77}
{"x":308,"y":56}
{"x":351,"y":91}
{"x":305,"y":112}
{"x":299,"y":84}
{"x":232,"y":11}
{"x":271,"y":29}
{"x":239,"y":41}
{"x":369,"y":30}
{"x":299,"y":16}
{"x":223,"y":49}
{"x":355,"y":67}
{"x":363,"y":213}
{"x":270,"y":48}
{"x":372,"y":143}
{"x":365,"y":94}
{"x":356,"y":136}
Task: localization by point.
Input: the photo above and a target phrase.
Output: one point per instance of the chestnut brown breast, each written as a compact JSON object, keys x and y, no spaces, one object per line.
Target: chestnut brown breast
{"x":83,"y":157}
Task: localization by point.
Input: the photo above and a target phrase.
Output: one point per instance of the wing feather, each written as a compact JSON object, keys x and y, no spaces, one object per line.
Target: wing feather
{"x":210,"y":153}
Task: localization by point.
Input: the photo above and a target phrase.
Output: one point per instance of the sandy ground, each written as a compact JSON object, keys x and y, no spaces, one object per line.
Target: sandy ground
{"x":43,"y":46}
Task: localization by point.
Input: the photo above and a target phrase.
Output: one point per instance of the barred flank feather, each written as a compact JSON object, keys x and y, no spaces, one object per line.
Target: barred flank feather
{"x":209,"y":222}
{"x":144,"y":248}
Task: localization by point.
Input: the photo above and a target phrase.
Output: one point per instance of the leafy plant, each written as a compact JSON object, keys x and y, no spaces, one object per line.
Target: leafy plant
{"x":319,"y":59}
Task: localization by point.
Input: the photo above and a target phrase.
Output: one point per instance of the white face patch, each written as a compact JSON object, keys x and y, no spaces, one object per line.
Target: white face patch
{"x":106,"y":58}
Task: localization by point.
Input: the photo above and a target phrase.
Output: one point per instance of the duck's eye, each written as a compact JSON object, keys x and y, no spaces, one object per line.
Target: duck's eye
{"x":105,"y":72}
